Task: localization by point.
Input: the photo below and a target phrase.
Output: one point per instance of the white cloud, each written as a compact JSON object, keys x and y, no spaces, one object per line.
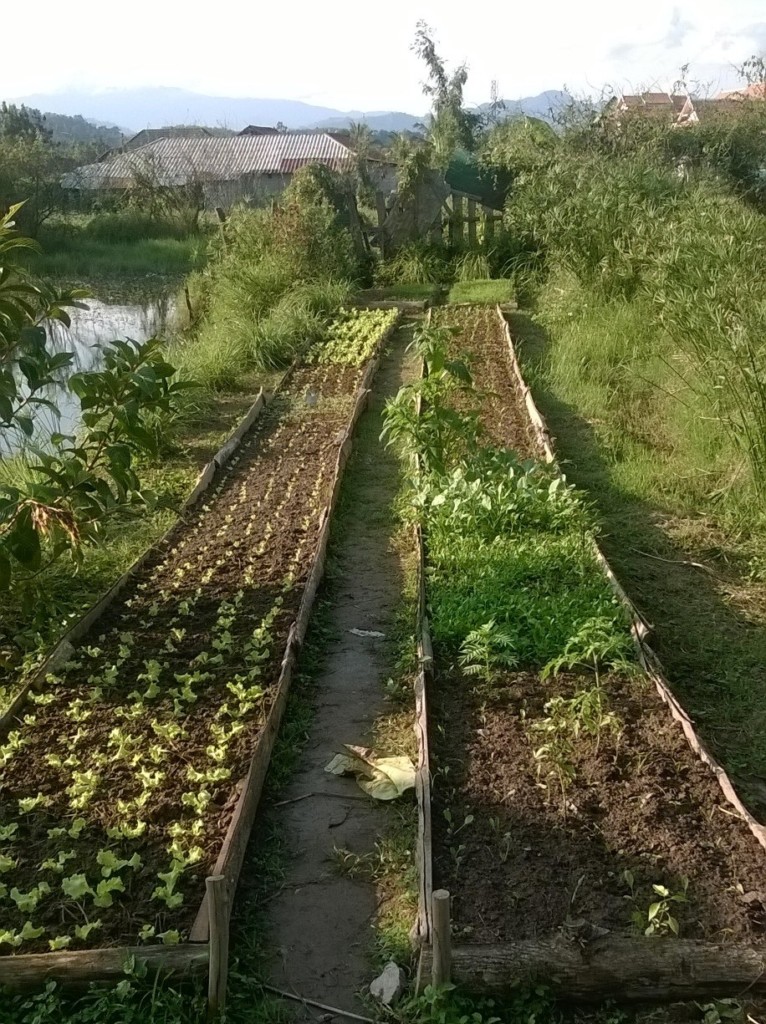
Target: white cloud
{"x":351,"y":55}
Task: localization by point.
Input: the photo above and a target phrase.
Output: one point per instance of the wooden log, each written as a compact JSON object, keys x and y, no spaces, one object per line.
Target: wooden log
{"x":218,"y":908}
{"x":32,"y":970}
{"x":441,"y":923}
{"x":631,"y":970}
{"x":472,"y":220}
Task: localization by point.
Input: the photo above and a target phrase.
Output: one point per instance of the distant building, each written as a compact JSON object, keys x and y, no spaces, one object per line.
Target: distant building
{"x":246,"y":167}
{"x":676,"y":109}
{"x":257,"y":129}
{"x":756,"y":91}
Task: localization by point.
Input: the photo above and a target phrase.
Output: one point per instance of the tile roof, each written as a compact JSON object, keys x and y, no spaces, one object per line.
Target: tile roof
{"x":176,"y":161}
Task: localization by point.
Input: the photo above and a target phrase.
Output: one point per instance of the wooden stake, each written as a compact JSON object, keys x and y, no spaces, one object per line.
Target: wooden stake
{"x":218,"y":908}
{"x":471,"y":204}
{"x":441,"y":969}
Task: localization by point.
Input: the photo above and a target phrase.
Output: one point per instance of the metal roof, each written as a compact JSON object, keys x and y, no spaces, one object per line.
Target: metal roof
{"x":177,"y":161}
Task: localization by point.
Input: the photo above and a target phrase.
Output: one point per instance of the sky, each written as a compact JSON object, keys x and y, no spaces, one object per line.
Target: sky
{"x":349,"y":55}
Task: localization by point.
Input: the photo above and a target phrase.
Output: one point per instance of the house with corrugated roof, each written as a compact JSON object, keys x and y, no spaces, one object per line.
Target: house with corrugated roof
{"x":251,"y":168}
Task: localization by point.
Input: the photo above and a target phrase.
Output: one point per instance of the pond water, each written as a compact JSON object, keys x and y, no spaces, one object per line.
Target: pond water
{"x":91,"y":330}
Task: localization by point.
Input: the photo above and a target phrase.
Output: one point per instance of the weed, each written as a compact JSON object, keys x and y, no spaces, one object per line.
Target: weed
{"x":658,"y":918}
{"x":487,"y":651}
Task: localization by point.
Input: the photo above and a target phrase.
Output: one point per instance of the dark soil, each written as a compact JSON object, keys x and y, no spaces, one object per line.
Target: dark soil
{"x":503,"y":415}
{"x":527,"y":865}
{"x":259,"y":524}
{"x":534,"y":858}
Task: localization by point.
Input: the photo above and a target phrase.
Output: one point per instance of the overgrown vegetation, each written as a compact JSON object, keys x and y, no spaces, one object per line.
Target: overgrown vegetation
{"x":511,"y":565}
{"x":636,"y":248}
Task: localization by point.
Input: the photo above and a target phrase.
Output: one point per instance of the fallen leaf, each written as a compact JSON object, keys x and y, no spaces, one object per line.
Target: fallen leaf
{"x":383,"y":778}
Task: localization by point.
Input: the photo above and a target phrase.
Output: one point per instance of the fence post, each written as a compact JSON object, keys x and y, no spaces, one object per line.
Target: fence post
{"x":441,"y":969}
{"x":218,"y":908}
{"x":472,"y":222}
{"x":456,"y":220}
{"x":489,"y":225}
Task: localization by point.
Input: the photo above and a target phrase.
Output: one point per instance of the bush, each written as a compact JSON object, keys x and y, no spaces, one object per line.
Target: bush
{"x":271,"y":284}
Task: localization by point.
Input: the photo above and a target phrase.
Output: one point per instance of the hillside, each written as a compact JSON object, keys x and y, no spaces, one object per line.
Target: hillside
{"x":155,"y":107}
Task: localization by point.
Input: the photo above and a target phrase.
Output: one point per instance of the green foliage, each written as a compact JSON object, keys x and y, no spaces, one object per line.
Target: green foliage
{"x":417,"y":263}
{"x":448,"y":1005}
{"x":473,"y":266}
{"x":595,"y":644}
{"x":510,"y":553}
{"x":76,"y":482}
{"x":421,"y":420}
{"x":451,"y":127}
{"x":658,"y":918}
{"x":136,"y":999}
{"x":352,"y":336}
{"x":608,"y":206}
{"x":272,"y":282}
{"x":487,"y":651}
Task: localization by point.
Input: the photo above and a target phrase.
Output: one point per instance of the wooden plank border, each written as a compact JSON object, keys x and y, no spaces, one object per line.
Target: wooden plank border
{"x":423,"y":681}
{"x":640,"y":628}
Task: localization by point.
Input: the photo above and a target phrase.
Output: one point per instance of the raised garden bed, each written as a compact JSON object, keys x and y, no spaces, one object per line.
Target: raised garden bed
{"x":546,"y":828}
{"x":120,"y":784}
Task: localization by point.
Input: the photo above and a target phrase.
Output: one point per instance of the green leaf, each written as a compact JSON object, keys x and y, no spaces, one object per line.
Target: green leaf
{"x":75,"y":887}
{"x":653,"y":911}
{"x":26,"y":424}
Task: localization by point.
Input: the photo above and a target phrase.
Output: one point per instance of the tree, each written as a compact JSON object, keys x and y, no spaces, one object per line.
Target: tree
{"x":22,"y":124}
{"x":451,"y":127}
{"x":76,"y":482}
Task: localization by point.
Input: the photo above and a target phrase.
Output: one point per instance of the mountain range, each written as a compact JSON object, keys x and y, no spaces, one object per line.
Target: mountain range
{"x":133,"y":109}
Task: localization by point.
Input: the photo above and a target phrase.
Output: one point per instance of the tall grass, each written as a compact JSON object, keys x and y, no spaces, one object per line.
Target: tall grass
{"x":270,"y":288}
{"x":127,"y":243}
{"x":629,"y":230}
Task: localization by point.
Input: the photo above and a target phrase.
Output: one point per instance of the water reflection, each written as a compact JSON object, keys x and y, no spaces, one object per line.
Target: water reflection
{"x":91,"y":330}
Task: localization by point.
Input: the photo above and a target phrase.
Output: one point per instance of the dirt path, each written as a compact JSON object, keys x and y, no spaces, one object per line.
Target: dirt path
{"x":320,"y":923}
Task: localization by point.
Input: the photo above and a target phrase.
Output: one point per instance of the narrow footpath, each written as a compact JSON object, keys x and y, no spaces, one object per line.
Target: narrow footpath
{"x":320,"y":923}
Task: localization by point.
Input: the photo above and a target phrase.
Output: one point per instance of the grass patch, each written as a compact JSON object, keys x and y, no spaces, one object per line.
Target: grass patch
{"x":481,"y":292}
{"x":405,"y":292}
{"x":79,"y":260}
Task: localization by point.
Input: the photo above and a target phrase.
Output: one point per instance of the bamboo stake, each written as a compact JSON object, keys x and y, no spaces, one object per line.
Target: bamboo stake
{"x":217,"y":901}
{"x":442,"y":942}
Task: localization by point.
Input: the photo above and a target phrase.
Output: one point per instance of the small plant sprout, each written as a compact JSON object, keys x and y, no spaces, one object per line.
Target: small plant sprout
{"x":30,"y":803}
{"x":658,"y":918}
{"x":110,"y":864}
{"x":487,"y":651}
{"x":60,"y":942}
{"x":103,"y":895}
{"x":82,"y":931}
